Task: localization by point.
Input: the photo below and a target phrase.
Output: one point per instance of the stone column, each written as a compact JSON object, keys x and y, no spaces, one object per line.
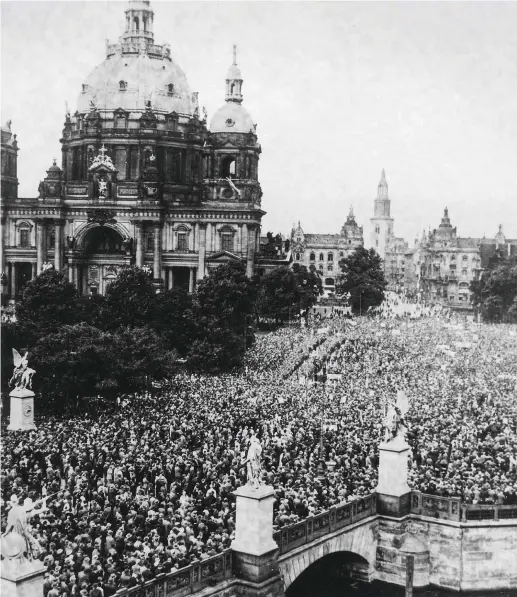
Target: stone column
{"x":255,"y":551}
{"x":250,"y":258}
{"x":2,"y":246}
{"x":393,"y":492}
{"x":157,"y":260}
{"x":139,"y":244}
{"x":40,"y":242}
{"x":191,"y":281}
{"x":34,"y":269}
{"x":239,"y":239}
{"x":14,"y":281}
{"x":171,"y":278}
{"x":58,"y":251}
{"x":202,"y":252}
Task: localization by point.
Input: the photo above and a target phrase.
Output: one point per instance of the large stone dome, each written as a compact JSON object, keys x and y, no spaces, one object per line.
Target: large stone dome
{"x":130,"y":81}
{"x":136,"y":71}
{"x":232,"y":118}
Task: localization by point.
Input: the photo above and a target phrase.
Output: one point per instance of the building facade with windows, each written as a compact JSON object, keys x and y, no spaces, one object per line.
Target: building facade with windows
{"x":143,"y":179}
{"x":324,"y":251}
{"x":448,"y":263}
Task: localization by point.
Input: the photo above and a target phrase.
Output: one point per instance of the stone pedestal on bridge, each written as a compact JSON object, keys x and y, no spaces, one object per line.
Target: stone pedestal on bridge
{"x":22,"y":410}
{"x":22,"y":578}
{"x":255,"y":551}
{"x":393,"y":491}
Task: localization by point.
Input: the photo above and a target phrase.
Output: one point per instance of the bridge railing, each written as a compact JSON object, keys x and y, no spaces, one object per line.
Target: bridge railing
{"x":488,"y":512}
{"x":185,"y":581}
{"x":450,"y":508}
{"x":292,"y":536}
{"x":436,"y":506}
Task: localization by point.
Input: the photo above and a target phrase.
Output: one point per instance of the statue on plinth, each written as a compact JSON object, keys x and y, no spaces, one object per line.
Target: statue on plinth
{"x":22,"y":374}
{"x":17,"y":541}
{"x":394,"y":423}
{"x":253,"y":463}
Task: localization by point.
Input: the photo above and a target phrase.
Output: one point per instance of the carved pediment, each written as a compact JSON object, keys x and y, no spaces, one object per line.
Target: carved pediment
{"x":222,"y":257}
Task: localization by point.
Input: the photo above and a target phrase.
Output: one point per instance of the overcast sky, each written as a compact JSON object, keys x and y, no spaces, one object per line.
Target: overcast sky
{"x":339,"y":90}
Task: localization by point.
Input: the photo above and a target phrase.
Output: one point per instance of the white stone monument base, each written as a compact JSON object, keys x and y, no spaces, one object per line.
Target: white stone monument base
{"x":393,"y":467}
{"x":22,"y":578}
{"x":22,"y":410}
{"x":254,"y":520}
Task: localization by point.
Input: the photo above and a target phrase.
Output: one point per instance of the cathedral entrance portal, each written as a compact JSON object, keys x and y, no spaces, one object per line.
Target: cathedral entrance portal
{"x":104,"y":253}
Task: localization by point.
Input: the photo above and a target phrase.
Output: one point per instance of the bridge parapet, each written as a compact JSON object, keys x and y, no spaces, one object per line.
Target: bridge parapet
{"x":298,"y":534}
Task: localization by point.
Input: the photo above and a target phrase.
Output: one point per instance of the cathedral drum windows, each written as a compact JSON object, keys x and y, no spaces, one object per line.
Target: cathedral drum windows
{"x":322,"y":257}
{"x":313,"y":257}
{"x":377,"y":229}
{"x":330,"y":257}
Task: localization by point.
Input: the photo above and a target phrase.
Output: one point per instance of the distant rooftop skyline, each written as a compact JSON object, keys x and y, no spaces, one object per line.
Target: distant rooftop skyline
{"x":339,"y":91}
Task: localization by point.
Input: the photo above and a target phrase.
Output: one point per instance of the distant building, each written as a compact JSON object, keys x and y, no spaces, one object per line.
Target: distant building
{"x":324,"y":251}
{"x":448,"y":264}
{"x":395,"y":262}
{"x":381,"y":225}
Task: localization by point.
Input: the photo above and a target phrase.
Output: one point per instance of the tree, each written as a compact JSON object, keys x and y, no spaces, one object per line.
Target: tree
{"x":279,"y":294}
{"x":130,"y":300}
{"x":75,"y":360}
{"x":224,"y":301}
{"x":363,"y":277}
{"x":174,"y":321}
{"x":48,"y":302}
{"x":310,"y":287}
{"x":496,"y":292}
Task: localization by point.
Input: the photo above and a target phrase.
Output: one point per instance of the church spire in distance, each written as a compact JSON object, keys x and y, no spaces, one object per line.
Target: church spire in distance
{"x":382,"y":188}
{"x":234,"y":81}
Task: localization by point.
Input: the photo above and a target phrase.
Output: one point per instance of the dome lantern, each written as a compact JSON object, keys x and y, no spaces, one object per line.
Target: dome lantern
{"x":139,"y":21}
{"x":234,"y":81}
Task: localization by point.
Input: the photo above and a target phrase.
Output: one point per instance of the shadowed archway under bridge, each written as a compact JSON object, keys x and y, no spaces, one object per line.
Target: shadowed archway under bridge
{"x":335,"y":575}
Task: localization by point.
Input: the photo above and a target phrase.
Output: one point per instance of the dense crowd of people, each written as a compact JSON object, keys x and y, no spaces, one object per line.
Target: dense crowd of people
{"x":144,"y":485}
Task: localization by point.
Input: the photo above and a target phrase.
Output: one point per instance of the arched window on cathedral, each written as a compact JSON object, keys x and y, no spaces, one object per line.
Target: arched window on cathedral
{"x":341,"y":254}
{"x":228,"y":167}
{"x":136,"y":23}
{"x":313,"y":257}
{"x":377,"y":229}
{"x":122,"y":85}
{"x":170,"y":89}
{"x":297,"y":256}
{"x":330,"y":257}
{"x":322,"y":257}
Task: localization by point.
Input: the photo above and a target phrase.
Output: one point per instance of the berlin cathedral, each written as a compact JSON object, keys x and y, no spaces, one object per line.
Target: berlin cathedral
{"x":143,"y":179}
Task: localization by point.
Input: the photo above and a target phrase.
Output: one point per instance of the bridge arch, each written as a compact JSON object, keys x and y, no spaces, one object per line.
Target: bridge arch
{"x":360,"y":541}
{"x":331,"y":575}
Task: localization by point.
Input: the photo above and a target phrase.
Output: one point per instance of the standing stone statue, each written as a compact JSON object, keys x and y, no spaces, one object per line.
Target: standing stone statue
{"x":254,"y":467}
{"x":22,"y":396}
{"x":17,"y":541}
{"x":394,"y":423}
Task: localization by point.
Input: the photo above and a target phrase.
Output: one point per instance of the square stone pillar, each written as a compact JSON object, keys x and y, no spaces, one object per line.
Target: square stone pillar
{"x":22,"y":410}
{"x":58,"y":248}
{"x":393,"y":490}
{"x":139,"y":244}
{"x":40,"y":244}
{"x":255,"y":551}
{"x":22,"y":578}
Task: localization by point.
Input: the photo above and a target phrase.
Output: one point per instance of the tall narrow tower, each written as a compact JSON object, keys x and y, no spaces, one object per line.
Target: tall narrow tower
{"x":381,"y":225}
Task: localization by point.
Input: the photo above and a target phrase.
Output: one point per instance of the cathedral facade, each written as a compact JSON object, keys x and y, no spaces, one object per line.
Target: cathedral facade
{"x":324,"y":251}
{"x":143,"y":179}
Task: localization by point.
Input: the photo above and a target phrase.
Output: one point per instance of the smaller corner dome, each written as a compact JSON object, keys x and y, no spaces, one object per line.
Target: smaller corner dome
{"x":232,"y":118}
{"x":54,"y":168}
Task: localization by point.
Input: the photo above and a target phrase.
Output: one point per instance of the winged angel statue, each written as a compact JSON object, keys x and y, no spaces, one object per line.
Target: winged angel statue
{"x":22,"y":374}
